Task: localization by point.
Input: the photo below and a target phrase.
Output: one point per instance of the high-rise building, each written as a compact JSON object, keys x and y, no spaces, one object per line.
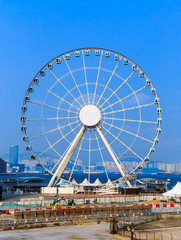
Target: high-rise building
{"x":2,"y":166}
{"x":13,"y":154}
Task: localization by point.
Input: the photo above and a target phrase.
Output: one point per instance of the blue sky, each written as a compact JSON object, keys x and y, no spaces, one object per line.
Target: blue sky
{"x":34,"y":32}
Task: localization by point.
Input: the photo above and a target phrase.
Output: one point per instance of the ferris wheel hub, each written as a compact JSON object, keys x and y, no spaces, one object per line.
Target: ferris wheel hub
{"x":90,"y":115}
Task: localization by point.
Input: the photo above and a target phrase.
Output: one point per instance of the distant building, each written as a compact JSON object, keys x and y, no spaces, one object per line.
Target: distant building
{"x":13,"y":154}
{"x":2,"y":166}
{"x":18,"y":168}
{"x":21,"y":167}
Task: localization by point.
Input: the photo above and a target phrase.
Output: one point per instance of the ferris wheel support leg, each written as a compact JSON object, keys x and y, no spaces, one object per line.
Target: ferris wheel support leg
{"x":112,"y":155}
{"x":67,"y":156}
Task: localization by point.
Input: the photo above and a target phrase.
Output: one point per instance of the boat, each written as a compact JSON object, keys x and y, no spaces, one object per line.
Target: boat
{"x":69,"y":177}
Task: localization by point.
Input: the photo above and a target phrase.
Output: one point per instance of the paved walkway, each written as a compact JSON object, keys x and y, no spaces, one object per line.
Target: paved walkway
{"x":82,"y":232}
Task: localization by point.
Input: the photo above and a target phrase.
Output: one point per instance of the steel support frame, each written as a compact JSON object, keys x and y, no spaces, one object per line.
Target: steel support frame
{"x":67,"y":156}
{"x":112,"y":155}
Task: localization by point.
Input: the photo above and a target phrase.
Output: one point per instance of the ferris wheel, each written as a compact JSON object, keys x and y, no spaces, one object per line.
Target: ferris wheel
{"x":86,"y":110}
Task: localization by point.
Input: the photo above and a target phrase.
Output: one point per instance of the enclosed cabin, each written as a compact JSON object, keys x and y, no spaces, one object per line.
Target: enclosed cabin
{"x":50,"y":67}
{"x":42,"y":73}
{"x":23,"y":118}
{"x":156,"y":100}
{"x":159,"y":120}
{"x":107,"y":54}
{"x":152,"y":150}
{"x":23,"y":128}
{"x":33,"y":157}
{"x":30,"y":89}
{"x":87,"y":52}
{"x":125,"y":61}
{"x":27,"y":98}
{"x":153,"y":91}
{"x":147,"y":160}
{"x":134,"y":67}
{"x":140,"y":168}
{"x":116,"y":57}
{"x":58,"y":60}
{"x":159,"y":131}
{"x":24,"y":108}
{"x":77,"y":54}
{"x":67,"y":56}
{"x":46,"y":172}
{"x":148,"y":82}
{"x":156,"y":141}
{"x":159,"y":110}
{"x":35,"y":81}
{"x":38,"y":165}
{"x":28,"y":148}
{"x":97,"y":52}
{"x":25,"y":138}
{"x":142,"y":74}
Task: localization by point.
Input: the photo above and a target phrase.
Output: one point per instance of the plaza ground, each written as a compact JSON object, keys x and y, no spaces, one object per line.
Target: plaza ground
{"x":164,"y":230}
{"x":82,"y":232}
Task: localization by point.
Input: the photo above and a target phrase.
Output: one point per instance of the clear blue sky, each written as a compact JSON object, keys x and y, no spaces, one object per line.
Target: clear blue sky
{"x":34,"y":32}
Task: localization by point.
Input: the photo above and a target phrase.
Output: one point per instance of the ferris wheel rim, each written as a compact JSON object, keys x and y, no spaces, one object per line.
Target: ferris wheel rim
{"x":82,"y":49}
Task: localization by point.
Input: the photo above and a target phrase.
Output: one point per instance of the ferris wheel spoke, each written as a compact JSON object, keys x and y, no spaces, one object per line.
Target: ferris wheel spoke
{"x":44,"y":133}
{"x":85,"y":74}
{"x":53,"y":130}
{"x":74,"y":80}
{"x":49,"y":106}
{"x":108,"y":81}
{"x":118,"y":88}
{"x":58,"y":96}
{"x":120,"y":100}
{"x":127,"y":109}
{"x":47,"y":119}
{"x":97,"y":77}
{"x":102,"y":156}
{"x":76,"y":157}
{"x":121,"y":129}
{"x":65,"y":88}
{"x":123,"y":144}
{"x":109,"y":71}
{"x":59,"y":140}
{"x":129,"y":120}
{"x":60,"y":158}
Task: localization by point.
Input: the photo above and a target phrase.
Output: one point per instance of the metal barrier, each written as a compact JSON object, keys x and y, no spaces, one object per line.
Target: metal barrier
{"x":11,"y":224}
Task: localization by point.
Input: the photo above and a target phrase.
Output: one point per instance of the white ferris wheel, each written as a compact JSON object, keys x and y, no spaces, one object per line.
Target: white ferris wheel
{"x":86,"y":110}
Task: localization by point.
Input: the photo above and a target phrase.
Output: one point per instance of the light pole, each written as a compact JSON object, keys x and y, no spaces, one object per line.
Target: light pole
{"x":125,"y":156}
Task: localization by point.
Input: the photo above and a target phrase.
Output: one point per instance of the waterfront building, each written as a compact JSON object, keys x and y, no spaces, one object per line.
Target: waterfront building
{"x":13,"y":154}
{"x":2,"y":166}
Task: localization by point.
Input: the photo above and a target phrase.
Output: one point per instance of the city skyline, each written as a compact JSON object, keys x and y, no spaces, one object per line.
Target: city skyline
{"x":152,"y":43}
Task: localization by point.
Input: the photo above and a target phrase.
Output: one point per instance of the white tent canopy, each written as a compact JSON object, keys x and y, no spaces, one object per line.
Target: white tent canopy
{"x":175,"y":191}
{"x":74,"y":182}
{"x":85,"y":182}
{"x":109,"y":183}
{"x":97,"y":182}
